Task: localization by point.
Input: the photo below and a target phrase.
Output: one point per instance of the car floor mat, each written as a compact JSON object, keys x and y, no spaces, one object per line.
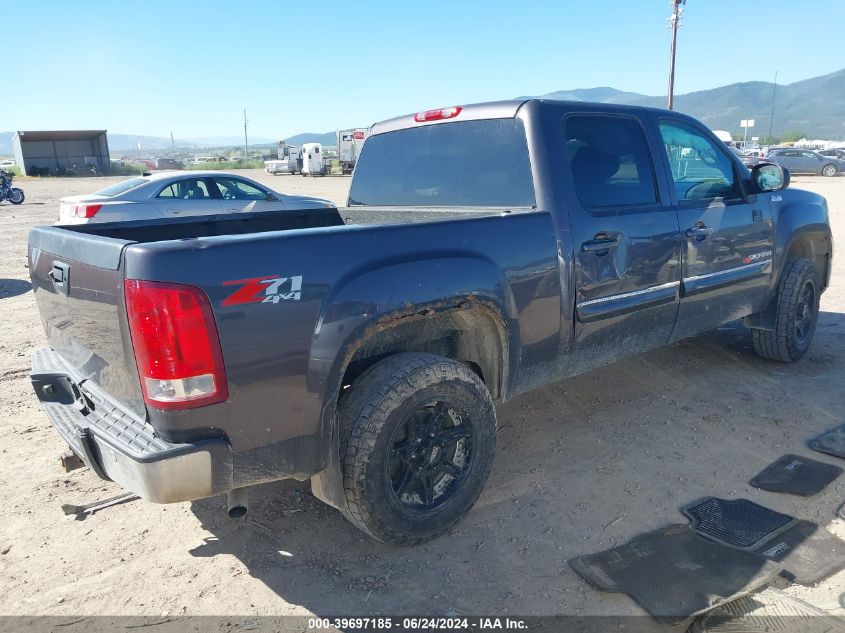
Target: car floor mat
{"x":736,"y":522}
{"x":675,"y":574}
{"x":831,"y":442}
{"x":766,"y":611}
{"x":796,"y":475}
{"x":808,"y":553}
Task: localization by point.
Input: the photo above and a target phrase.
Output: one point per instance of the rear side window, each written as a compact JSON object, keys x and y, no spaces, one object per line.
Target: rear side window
{"x":458,"y":164}
{"x":188,"y":189}
{"x":610,"y":161}
{"x":121,"y":187}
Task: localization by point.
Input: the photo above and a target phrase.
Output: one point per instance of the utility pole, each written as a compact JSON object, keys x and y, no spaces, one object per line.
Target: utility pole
{"x":172,"y":145}
{"x":246,"y":143}
{"x":772,"y":117}
{"x":674,"y":23}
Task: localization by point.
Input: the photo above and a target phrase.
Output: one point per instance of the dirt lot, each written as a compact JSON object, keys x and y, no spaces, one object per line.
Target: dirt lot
{"x":581,"y":466}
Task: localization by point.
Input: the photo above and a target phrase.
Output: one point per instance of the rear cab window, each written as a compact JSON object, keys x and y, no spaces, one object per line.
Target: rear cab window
{"x":122,"y":187}
{"x":458,"y":164}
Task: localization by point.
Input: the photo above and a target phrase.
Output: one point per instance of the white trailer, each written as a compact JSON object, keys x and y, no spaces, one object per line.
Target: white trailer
{"x":349,"y":144}
{"x":288,"y":162}
{"x":312,"y":160}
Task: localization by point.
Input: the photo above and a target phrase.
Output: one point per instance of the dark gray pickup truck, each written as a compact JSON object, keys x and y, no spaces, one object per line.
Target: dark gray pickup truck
{"x":486,"y":250}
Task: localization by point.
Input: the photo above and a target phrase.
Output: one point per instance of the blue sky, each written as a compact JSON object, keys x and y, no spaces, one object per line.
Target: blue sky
{"x":153,"y":67}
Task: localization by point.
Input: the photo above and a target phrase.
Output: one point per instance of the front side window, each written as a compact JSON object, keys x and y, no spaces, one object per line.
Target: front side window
{"x":458,"y":164}
{"x":234,"y":189}
{"x":610,"y":161}
{"x":701,"y":170}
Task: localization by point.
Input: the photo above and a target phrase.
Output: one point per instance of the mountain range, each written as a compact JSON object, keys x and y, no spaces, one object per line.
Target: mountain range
{"x":814,"y":107}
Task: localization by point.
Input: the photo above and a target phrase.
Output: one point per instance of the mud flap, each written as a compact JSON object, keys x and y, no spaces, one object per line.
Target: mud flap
{"x":327,"y":485}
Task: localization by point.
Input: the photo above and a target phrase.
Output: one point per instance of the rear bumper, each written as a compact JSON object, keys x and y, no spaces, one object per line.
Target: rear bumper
{"x":119,"y":446}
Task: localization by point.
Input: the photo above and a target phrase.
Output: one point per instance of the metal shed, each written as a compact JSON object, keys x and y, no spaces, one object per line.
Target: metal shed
{"x":79,"y":151}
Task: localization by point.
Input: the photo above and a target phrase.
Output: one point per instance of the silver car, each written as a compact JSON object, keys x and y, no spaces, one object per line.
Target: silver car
{"x":177,"y":194}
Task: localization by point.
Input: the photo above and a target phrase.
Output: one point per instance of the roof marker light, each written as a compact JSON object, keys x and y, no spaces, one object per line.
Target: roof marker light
{"x":437,"y":115}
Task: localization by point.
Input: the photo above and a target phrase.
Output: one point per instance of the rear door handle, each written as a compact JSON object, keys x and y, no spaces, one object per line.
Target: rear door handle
{"x":601,"y":242}
{"x":698,"y":232}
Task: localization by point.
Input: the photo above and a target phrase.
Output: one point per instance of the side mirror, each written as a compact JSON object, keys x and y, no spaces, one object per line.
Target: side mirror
{"x":271,"y":198}
{"x":769,"y":177}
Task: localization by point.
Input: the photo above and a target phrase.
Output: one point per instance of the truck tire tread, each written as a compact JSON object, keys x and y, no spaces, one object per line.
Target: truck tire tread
{"x":780,"y":344}
{"x":362,"y":414}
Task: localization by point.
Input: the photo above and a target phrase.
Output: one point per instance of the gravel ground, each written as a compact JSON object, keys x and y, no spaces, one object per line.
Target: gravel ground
{"x":581,"y":466}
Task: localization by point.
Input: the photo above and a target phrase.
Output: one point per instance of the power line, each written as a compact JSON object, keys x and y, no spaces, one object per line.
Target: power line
{"x":674,"y":23}
{"x":246,"y":143}
{"x":772,"y":116}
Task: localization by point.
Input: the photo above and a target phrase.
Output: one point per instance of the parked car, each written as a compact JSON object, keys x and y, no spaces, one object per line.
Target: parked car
{"x":169,"y":163}
{"x":179,"y":194}
{"x":485,"y":251}
{"x":833,"y":153}
{"x":749,"y":160}
{"x":805,"y":161}
{"x":5,"y":164}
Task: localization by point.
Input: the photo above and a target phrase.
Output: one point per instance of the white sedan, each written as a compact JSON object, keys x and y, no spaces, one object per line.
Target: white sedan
{"x":177,"y":194}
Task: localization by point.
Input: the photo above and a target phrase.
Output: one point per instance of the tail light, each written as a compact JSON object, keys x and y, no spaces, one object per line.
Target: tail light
{"x":85,"y":210}
{"x":177,"y":349}
{"x":437,"y":115}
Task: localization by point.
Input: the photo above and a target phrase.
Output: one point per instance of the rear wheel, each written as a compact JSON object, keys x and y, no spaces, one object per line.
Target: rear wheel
{"x":797,"y":314}
{"x":829,"y":170}
{"x":418,"y":433}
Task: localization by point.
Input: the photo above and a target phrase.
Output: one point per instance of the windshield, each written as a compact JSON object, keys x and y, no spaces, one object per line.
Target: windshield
{"x":462,"y":164}
{"x":121,"y":187}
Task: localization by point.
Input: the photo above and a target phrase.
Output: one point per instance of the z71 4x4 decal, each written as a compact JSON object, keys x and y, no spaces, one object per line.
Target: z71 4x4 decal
{"x":268,"y":289}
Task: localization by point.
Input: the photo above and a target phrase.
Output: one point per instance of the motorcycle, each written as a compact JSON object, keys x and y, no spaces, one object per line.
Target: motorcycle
{"x":7,"y":191}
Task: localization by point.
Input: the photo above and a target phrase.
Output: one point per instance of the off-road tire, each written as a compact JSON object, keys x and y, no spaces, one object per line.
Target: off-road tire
{"x":375,"y":405}
{"x":783,"y":343}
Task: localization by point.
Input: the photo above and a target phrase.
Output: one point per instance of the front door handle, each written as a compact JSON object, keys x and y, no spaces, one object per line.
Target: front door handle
{"x":698,"y":232}
{"x":601,"y":242}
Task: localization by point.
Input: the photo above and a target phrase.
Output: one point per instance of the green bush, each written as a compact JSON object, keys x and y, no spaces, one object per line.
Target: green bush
{"x":129,"y":169}
{"x":241,"y":164}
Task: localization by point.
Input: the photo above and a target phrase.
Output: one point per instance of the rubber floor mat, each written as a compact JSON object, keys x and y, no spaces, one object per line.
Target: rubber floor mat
{"x":765,"y":612}
{"x":737,"y":522}
{"x":675,"y":574}
{"x":796,"y":475}
{"x":832,"y":442}
{"x":808,"y":553}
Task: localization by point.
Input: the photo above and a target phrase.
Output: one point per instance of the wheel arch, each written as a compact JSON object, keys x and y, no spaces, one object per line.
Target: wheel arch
{"x":352,"y":335}
{"x":809,"y":242}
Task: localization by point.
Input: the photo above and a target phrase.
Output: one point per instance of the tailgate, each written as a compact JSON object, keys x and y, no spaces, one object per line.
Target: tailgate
{"x":77,"y":280}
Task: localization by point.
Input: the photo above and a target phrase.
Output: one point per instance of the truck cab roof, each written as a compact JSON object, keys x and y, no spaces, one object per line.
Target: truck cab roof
{"x":501,"y":110}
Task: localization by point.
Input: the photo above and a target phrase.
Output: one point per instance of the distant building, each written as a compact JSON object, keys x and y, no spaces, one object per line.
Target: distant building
{"x":80,"y":151}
